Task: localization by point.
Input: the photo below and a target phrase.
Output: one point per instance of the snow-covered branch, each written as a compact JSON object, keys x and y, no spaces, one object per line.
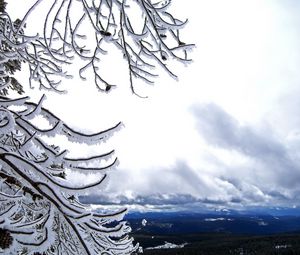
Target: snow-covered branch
{"x":40,"y":210}
{"x":152,"y":40}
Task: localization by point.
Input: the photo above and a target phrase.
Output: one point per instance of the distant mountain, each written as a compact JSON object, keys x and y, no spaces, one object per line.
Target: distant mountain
{"x":274,"y":211}
{"x":219,"y":222}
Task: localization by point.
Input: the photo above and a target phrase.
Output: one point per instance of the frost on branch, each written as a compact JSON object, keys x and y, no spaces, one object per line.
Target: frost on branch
{"x":143,"y":30}
{"x":9,"y":61}
{"x":39,"y":207}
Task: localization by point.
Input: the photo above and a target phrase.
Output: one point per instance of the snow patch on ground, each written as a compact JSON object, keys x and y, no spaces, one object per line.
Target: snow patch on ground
{"x":218,"y":219}
{"x":262,"y":223}
{"x":144,"y":222}
{"x":167,"y":245}
{"x":283,"y":246}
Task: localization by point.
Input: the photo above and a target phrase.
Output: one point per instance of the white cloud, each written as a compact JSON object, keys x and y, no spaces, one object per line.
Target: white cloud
{"x":240,"y":142}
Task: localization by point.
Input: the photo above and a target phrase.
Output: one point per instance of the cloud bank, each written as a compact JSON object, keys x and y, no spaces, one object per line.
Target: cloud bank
{"x":240,"y":165}
{"x":228,"y":135}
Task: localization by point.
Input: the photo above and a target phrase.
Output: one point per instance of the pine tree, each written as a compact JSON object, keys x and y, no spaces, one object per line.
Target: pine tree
{"x":9,"y":64}
{"x":40,"y":212}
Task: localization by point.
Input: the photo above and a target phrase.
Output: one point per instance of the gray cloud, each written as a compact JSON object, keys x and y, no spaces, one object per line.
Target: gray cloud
{"x":176,"y":179}
{"x":273,"y":164}
{"x":221,"y":129}
{"x":154,"y":199}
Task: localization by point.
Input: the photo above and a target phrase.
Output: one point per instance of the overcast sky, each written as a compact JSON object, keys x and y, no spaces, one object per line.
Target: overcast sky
{"x":227,"y":133}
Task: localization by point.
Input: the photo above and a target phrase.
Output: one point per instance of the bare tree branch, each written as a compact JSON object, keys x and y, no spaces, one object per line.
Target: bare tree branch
{"x":64,"y":36}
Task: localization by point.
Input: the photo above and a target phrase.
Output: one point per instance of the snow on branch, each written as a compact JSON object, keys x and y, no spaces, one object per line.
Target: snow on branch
{"x":40,"y":210}
{"x":147,"y":35}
